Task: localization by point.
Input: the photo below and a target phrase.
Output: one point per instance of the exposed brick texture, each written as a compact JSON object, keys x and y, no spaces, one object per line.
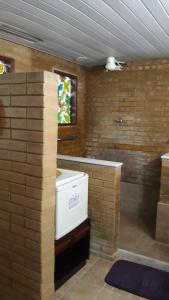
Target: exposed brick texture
{"x":28,"y":145}
{"x":104,"y":194}
{"x":162,"y":227}
{"x":139,"y":95}
{"x":28,"y":60}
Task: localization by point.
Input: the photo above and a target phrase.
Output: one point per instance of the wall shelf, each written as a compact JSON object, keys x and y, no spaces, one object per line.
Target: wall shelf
{"x":71,"y":252}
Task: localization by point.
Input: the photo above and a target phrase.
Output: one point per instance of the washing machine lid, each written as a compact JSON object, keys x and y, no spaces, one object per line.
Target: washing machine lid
{"x":67,"y":176}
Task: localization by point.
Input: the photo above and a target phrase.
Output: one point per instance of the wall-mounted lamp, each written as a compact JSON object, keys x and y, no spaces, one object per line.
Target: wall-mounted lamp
{"x":113,"y":65}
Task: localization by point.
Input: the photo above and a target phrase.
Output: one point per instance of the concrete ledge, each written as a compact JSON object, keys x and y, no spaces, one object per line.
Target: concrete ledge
{"x":91,"y":161}
{"x":165,"y":156}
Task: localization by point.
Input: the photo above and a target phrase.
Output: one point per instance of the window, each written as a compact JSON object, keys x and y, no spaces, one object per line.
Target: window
{"x":6,"y":65}
{"x":67,"y":90}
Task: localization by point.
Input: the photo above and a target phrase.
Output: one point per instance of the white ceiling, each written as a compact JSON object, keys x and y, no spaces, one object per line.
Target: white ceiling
{"x":95,"y":29}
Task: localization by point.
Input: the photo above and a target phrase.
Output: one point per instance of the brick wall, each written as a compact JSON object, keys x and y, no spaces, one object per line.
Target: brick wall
{"x":162,"y":227}
{"x":27,"y":60}
{"x":104,"y":192}
{"x":139,"y":95}
{"x":28,"y":134}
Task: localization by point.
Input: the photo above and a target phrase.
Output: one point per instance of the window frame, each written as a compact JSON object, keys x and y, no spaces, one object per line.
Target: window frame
{"x":73,"y":100}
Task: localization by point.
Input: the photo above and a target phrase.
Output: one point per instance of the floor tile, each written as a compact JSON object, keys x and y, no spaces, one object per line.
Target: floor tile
{"x":67,"y":285}
{"x":135,"y":235}
{"x":107,"y":295}
{"x":93,"y":259}
{"x":58,"y":295}
{"x":98,"y":272}
{"x":110,"y":293}
{"x":82,"y":290}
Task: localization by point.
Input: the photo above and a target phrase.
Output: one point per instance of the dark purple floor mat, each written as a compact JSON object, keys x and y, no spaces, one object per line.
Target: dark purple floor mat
{"x":139,"y":279}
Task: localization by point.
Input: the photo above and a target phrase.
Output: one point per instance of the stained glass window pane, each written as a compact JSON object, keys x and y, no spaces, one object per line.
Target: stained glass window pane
{"x":66,"y":99}
{"x":64,"y":95}
{"x":3,"y":67}
{"x":6,"y":65}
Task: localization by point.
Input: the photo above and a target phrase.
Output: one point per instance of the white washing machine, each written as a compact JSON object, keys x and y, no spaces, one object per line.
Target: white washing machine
{"x":71,"y":201}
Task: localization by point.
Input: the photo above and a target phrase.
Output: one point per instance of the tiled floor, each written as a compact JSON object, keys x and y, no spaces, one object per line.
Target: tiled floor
{"x":136,"y":236}
{"x":88,"y":284}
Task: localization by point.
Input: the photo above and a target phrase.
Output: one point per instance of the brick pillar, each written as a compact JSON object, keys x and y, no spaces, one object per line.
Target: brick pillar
{"x":28,"y":142}
{"x":162,"y":226}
